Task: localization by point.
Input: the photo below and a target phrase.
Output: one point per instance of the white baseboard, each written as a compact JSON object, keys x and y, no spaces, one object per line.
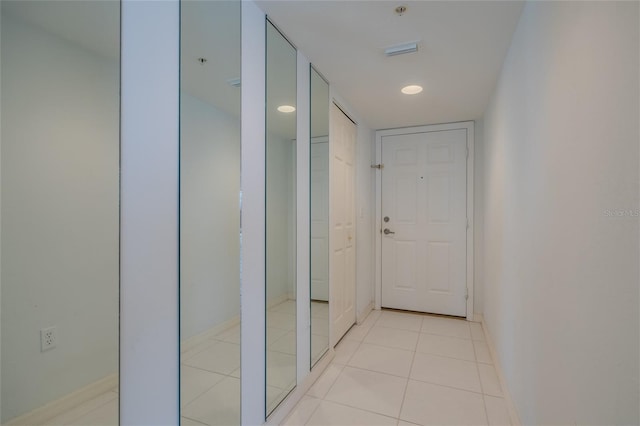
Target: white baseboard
{"x":362,"y":315}
{"x":513,"y":413}
{"x":278,"y":300}
{"x":478,"y":318}
{"x":41,"y":415}
{"x":193,"y":341}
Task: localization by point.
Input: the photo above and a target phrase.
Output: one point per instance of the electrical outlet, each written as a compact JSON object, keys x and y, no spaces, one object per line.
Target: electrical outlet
{"x":48,"y":338}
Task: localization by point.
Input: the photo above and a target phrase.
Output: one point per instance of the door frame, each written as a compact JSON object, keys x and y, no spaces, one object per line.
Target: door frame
{"x":465,"y":125}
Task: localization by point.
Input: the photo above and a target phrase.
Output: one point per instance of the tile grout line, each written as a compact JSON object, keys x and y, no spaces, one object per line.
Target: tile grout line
{"x":406,"y":386}
{"x":356,"y":408}
{"x":314,"y":410}
{"x":484,"y":400}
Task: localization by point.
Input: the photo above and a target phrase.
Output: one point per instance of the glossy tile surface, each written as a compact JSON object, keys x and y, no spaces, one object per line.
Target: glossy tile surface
{"x":407,"y":369}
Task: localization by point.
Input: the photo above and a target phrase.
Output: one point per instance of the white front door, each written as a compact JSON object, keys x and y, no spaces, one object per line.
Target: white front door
{"x":343,"y":230}
{"x":424,"y":222}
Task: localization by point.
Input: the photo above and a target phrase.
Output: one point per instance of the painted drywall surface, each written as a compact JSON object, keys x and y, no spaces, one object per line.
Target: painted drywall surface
{"x":478,"y":217}
{"x":60,"y":171}
{"x":149,"y":382}
{"x":561,"y":162}
{"x":209,"y":216}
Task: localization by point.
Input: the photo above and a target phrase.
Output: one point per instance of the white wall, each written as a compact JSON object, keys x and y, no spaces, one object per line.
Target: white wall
{"x":60,"y":167}
{"x":561,"y":275}
{"x":210,"y":216}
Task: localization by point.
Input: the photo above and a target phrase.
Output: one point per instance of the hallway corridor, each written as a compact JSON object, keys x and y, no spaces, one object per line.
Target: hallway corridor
{"x":407,"y":369}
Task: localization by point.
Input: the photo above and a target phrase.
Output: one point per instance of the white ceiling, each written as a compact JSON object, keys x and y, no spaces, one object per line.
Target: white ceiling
{"x":211,"y":30}
{"x":461,"y":49}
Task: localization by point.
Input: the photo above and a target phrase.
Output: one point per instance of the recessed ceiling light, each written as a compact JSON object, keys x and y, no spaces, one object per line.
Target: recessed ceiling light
{"x":411,"y":90}
{"x":286,"y":108}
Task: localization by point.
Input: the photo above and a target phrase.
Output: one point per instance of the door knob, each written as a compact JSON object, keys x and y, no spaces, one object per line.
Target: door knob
{"x":387,"y":231}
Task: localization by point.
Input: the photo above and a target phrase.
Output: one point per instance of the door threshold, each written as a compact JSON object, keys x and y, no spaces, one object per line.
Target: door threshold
{"x":427,"y":314}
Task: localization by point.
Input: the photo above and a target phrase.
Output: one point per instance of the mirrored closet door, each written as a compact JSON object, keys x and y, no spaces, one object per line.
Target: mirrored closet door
{"x":280,"y":217}
{"x":319,"y":194}
{"x":59,"y":254}
{"x":210,"y":212}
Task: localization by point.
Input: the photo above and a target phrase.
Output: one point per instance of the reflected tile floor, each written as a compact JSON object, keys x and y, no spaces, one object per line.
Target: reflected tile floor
{"x":99,"y":411}
{"x":210,"y":375}
{"x":406,"y":369}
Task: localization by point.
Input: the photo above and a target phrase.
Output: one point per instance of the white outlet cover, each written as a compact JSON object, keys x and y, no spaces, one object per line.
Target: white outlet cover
{"x":48,"y":338}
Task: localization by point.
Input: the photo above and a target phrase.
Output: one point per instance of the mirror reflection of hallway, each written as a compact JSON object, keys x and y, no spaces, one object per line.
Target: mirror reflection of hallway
{"x":319,"y":194}
{"x":209,"y":212}
{"x":280,"y":217}
{"x":60,"y":84}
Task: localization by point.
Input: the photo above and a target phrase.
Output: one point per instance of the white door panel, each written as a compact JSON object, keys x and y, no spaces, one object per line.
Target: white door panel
{"x":343,"y":236}
{"x":424,"y":193}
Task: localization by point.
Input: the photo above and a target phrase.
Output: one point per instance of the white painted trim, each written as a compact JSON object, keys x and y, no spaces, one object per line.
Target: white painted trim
{"x":42,"y":415}
{"x":288,"y":404}
{"x":303,"y":220}
{"x":252,"y":248}
{"x":513,"y":413}
{"x":150,"y":59}
{"x":468,"y":126}
{"x":0,"y":206}
{"x":362,"y":315}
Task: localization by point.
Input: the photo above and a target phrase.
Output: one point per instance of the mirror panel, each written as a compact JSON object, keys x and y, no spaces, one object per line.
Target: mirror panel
{"x":60,"y":84}
{"x":280,"y":217}
{"x":319,"y":192}
{"x":209,"y":212}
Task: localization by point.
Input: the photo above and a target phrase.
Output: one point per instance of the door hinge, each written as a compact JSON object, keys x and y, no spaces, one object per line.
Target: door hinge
{"x":377,"y":166}
{"x":466,"y":293}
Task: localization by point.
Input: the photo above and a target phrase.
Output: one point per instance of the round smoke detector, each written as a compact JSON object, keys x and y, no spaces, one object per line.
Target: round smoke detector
{"x":400,"y":10}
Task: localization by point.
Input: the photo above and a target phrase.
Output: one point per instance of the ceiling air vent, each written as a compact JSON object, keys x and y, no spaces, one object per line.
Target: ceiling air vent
{"x":401,"y":49}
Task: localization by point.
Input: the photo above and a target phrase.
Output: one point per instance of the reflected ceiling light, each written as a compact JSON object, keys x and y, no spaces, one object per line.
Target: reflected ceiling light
{"x":286,"y":108}
{"x":412,"y":89}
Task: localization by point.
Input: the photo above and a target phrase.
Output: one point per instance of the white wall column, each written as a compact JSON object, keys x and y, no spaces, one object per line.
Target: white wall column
{"x":149,"y":342}
{"x":252,"y":249}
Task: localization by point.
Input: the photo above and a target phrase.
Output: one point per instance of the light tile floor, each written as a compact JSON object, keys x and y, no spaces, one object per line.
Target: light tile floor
{"x":394,"y":369}
{"x":210,"y":373}
{"x":407,"y":369}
